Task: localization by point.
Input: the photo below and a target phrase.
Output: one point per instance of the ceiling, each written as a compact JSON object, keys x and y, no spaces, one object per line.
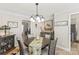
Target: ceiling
{"x":45,"y":9}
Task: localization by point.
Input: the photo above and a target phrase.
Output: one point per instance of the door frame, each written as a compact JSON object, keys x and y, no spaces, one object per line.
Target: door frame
{"x":70,"y":27}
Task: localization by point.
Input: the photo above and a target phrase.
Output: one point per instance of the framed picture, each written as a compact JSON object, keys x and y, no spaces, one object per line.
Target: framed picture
{"x":12,"y":24}
{"x":61,"y":23}
{"x":48,"y":25}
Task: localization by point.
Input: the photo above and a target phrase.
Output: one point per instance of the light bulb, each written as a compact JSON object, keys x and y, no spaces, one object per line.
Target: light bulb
{"x":32,"y":19}
{"x":38,"y":19}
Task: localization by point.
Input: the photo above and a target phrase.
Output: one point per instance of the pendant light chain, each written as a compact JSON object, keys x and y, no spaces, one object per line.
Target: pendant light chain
{"x":36,"y":9}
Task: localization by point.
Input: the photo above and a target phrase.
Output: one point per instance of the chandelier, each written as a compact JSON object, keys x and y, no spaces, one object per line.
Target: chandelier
{"x":37,"y":17}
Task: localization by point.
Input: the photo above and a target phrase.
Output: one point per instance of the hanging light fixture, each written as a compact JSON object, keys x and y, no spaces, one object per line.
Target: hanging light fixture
{"x":37,"y":17}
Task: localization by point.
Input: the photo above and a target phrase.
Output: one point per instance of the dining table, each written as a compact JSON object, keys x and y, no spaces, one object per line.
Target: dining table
{"x":36,"y":45}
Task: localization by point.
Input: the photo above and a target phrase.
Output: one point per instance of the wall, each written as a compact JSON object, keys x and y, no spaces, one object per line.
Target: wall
{"x":73,"y":19}
{"x":63,"y":32}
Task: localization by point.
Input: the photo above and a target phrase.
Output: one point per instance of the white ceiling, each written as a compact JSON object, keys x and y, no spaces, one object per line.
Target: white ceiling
{"x":45,"y":9}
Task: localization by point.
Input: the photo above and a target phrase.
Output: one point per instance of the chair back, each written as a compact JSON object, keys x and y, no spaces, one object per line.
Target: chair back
{"x":52,"y":47}
{"x":24,"y":36}
{"x":20,"y":47}
{"x":52,"y":36}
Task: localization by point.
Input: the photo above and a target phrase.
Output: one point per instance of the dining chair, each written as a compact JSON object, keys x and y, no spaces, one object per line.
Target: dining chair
{"x":20,"y":47}
{"x":52,"y":47}
{"x":52,"y":36}
{"x":25,"y":38}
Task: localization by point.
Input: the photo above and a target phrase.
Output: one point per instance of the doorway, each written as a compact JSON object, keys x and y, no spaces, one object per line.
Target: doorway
{"x":75,"y":32}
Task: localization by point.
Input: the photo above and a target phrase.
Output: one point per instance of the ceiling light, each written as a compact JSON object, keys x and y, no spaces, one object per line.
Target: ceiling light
{"x":37,"y":17}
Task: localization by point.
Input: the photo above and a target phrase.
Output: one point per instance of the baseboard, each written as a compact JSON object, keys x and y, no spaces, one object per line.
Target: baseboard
{"x":66,"y":49}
